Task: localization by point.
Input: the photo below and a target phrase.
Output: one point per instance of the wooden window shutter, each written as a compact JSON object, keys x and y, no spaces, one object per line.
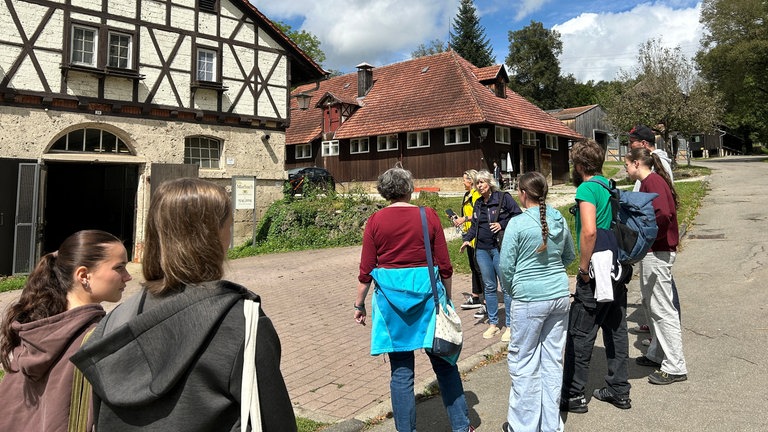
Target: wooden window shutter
{"x":207,"y":5}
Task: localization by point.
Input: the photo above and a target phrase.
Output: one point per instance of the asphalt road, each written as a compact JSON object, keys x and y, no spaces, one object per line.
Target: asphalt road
{"x":721,"y":274}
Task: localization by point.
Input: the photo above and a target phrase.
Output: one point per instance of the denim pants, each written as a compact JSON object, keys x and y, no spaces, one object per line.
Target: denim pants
{"x":488,"y":261}
{"x":586,"y":317}
{"x":404,"y":400}
{"x":477,"y":279}
{"x":658,"y":298}
{"x":535,"y":363}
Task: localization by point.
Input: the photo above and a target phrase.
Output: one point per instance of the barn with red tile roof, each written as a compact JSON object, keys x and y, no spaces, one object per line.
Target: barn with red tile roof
{"x":438,"y":115}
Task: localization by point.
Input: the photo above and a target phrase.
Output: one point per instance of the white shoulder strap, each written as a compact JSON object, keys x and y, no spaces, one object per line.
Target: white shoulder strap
{"x":249,"y":393}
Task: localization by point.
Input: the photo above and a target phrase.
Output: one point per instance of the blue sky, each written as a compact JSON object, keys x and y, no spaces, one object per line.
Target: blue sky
{"x":600,"y":38}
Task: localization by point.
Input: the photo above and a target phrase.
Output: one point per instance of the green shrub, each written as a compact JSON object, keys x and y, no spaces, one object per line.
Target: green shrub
{"x":10,"y":283}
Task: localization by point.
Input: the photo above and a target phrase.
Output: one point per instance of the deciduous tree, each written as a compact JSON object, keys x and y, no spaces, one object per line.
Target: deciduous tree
{"x":468,"y":39}
{"x":436,"y":46}
{"x":663,"y":92}
{"x":308,"y":42}
{"x":734,"y":57}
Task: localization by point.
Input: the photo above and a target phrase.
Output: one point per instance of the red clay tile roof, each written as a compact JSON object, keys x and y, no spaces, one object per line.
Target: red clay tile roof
{"x":430,"y":92}
{"x":488,"y":73}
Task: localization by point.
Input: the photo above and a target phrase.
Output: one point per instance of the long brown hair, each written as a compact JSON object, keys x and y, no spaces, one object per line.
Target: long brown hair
{"x":45,"y":292}
{"x":652,"y":160}
{"x":182,"y":243}
{"x":535,"y":186}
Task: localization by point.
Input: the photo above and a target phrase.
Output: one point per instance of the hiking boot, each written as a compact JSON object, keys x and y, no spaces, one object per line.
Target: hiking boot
{"x":606,"y":395}
{"x":472,"y":303}
{"x":645,"y":361}
{"x":659,"y":377}
{"x":480,"y":314}
{"x":642,"y":328}
{"x":492,"y":331}
{"x":576,"y":404}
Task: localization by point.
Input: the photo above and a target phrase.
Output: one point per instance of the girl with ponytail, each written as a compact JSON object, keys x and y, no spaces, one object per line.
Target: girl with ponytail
{"x":536,"y":249}
{"x":39,"y":333}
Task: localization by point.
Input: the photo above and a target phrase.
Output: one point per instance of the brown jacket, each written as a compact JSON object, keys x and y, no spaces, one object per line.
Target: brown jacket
{"x":36,"y":397}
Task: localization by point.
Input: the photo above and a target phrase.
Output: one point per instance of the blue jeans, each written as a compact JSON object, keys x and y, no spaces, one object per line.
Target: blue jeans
{"x":488,"y":261}
{"x":535,"y":363}
{"x":404,"y":401}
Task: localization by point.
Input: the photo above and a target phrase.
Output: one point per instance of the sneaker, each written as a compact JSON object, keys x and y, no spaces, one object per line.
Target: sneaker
{"x":491,"y":332}
{"x":575,"y":404}
{"x":660,"y":377}
{"x":605,"y":395}
{"x":645,"y":361}
{"x":642,"y":328}
{"x":506,"y":427}
{"x":480,"y":314}
{"x":472,"y":303}
{"x":647,"y":341}
{"x":506,"y":336}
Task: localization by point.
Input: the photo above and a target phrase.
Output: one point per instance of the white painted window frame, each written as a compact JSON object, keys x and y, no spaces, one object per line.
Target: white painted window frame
{"x":421,"y":139}
{"x":94,"y":53}
{"x":330,"y":148}
{"x":458,"y":134}
{"x":213,"y":62}
{"x":529,"y":138}
{"x":386,"y":143}
{"x":503,"y":135}
{"x":129,"y":49}
{"x":211,"y":162}
{"x":356,"y":145}
{"x":303,"y":151}
{"x":552,"y":143}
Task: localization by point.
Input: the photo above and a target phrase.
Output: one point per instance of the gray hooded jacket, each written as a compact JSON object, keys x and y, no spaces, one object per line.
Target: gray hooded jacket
{"x":174,"y":363}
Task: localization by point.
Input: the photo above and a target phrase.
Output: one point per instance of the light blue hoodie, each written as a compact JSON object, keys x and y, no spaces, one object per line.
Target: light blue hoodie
{"x":530,"y":276}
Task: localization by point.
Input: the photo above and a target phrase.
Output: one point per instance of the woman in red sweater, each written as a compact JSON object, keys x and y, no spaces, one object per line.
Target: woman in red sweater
{"x":666,"y":350}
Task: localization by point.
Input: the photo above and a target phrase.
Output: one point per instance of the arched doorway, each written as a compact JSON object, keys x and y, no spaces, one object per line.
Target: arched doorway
{"x":91,"y":178}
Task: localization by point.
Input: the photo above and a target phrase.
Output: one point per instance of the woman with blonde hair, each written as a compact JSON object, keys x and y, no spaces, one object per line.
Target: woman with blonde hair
{"x":464,"y":221}
{"x":57,"y":308}
{"x":172,"y":356}
{"x":490,"y":216}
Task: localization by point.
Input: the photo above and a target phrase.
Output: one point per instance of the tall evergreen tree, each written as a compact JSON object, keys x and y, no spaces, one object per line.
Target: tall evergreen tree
{"x":468,"y":38}
{"x":535,"y":69}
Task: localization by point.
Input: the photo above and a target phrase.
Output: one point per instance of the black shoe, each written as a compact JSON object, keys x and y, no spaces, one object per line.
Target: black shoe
{"x":574,"y":404}
{"x":506,"y":427}
{"x":660,"y":377}
{"x":472,"y":303}
{"x":645,"y":361}
{"x":605,"y":395}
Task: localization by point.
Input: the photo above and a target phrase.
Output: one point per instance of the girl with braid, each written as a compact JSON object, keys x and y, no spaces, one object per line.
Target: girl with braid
{"x":536,"y":249}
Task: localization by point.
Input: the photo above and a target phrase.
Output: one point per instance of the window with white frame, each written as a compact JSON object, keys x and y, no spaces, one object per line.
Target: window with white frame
{"x":418,"y":139}
{"x":529,"y":138}
{"x":203,"y":151}
{"x":84,"y":45}
{"x":206,"y":65}
{"x":552,"y":142}
{"x":330,"y":148}
{"x":358,"y":145}
{"x":119,"y":53}
{"x":503,"y":135}
{"x":457,"y":135}
{"x":386,"y":142}
{"x":302,"y":151}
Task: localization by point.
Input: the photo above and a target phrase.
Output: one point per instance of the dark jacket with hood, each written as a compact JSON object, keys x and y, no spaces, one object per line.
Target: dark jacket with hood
{"x":174,"y":363}
{"x":37,"y":396}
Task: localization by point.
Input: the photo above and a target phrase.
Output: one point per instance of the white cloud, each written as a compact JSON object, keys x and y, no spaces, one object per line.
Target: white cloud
{"x":597,"y":46}
{"x":527,"y":7}
{"x":374,"y":31}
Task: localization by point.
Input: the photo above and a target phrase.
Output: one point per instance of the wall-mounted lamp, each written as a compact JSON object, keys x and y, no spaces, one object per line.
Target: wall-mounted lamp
{"x":483,"y":133}
{"x":303,"y":100}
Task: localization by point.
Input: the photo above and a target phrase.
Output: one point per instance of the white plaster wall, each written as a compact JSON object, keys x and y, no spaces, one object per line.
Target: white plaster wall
{"x":265,"y":40}
{"x":118,"y":88}
{"x":228,"y":26}
{"x":206,"y":23}
{"x":123,"y":8}
{"x":87,"y":4}
{"x":51,"y":36}
{"x":30,"y":16}
{"x":84,"y":17}
{"x":81,"y":84}
{"x":153,"y":11}
{"x":183,"y":18}
{"x":27,"y":133}
{"x":247,"y":33}
{"x":115,"y":24}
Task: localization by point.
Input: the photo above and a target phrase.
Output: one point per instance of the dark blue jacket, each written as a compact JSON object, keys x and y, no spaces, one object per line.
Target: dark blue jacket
{"x":484,"y":213}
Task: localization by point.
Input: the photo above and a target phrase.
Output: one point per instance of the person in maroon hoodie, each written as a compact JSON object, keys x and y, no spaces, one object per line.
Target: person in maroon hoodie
{"x":57,"y":307}
{"x":666,"y":350}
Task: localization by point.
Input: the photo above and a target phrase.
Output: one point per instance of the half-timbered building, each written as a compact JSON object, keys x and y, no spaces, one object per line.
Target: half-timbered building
{"x":438,"y":115}
{"x":102,"y":100}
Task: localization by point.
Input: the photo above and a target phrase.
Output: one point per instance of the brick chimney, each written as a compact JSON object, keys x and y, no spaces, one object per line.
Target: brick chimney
{"x":364,"y":79}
